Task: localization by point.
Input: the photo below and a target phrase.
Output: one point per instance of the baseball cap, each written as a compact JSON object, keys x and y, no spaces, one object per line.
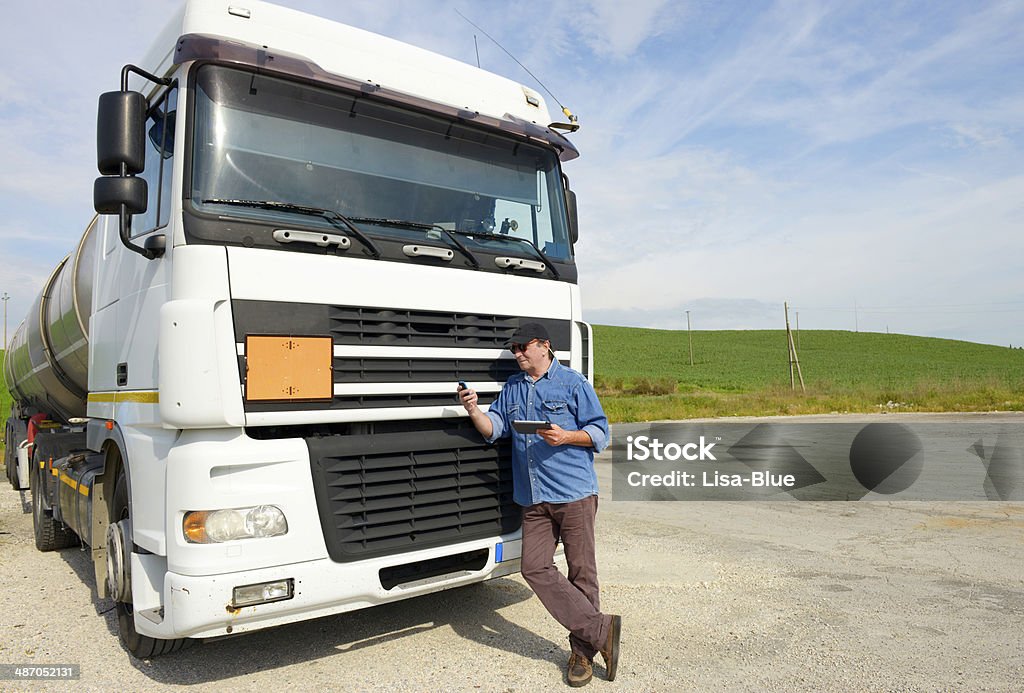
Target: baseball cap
{"x":528,"y":331}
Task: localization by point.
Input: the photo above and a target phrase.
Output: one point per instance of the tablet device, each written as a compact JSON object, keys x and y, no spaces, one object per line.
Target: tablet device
{"x":529,"y":426}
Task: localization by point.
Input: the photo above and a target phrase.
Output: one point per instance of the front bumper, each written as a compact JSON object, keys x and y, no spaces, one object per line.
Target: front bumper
{"x":200,"y":606}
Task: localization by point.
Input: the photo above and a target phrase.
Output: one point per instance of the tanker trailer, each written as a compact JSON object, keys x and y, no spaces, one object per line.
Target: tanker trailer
{"x":46,"y":371}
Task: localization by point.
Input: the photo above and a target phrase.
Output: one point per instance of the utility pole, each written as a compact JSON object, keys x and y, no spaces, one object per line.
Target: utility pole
{"x":798,"y":329}
{"x":5,"y":298}
{"x":794,"y":360}
{"x":688,"y":337}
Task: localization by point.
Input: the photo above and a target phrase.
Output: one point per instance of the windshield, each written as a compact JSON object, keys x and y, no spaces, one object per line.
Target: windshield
{"x":264,"y":138}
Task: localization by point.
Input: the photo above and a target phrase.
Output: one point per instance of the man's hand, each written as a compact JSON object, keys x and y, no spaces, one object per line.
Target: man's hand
{"x":469,"y":399}
{"x":476,"y":415}
{"x":556,"y":435}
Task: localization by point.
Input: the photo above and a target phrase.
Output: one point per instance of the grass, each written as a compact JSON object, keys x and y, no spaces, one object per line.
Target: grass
{"x":645,"y":375}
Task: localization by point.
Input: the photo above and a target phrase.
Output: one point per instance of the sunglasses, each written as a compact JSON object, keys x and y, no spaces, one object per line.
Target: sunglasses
{"x":516,"y":348}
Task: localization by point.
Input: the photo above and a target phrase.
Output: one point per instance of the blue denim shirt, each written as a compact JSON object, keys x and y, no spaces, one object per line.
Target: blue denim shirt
{"x":541,"y":472}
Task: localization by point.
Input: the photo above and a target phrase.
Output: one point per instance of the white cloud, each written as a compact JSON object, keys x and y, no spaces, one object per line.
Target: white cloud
{"x":974,"y":135}
{"x":705,"y":314}
{"x":841,"y":91}
{"x":618,"y":29}
{"x":46,"y":169}
{"x":654,"y":206}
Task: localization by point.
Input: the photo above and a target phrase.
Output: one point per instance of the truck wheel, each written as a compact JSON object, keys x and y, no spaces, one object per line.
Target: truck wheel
{"x":12,"y":470}
{"x":50,"y":535}
{"x":140,"y":646}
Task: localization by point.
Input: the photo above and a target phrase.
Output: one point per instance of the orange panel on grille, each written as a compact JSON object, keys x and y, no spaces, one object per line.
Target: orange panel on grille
{"x":288,"y":368}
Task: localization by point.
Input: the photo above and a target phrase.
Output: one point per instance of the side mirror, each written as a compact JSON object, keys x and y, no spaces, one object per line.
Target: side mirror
{"x":574,"y":219}
{"x":121,"y":133}
{"x":156,"y":244}
{"x":110,"y":192}
{"x":121,"y":155}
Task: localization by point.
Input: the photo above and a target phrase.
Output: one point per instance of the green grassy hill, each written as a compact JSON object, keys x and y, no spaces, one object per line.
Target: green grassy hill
{"x":645,"y":374}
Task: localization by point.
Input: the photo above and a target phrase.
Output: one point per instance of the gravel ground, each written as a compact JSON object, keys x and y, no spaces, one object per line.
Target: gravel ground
{"x":720,"y":596}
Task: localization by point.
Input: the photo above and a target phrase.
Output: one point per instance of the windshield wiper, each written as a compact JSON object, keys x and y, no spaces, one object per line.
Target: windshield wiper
{"x":401,"y":223}
{"x":544,"y":258}
{"x":334,"y":218}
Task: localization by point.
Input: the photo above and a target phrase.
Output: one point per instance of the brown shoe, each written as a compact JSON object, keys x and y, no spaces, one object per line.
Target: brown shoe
{"x":580,"y":670}
{"x":610,"y":651}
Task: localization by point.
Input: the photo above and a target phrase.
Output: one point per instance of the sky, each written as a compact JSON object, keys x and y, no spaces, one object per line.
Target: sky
{"x":861,"y":161}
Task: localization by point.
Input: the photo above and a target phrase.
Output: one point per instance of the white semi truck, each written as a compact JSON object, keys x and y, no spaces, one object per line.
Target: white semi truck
{"x":239,"y":390}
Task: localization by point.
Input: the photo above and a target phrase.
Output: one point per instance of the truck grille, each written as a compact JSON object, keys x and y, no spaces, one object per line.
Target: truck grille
{"x":376,"y":370}
{"x":355,"y":326}
{"x":388,"y":327}
{"x":390,"y":492}
{"x":385,"y":326}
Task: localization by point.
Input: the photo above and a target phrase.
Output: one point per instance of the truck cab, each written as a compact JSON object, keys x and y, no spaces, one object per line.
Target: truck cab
{"x":308,"y":235}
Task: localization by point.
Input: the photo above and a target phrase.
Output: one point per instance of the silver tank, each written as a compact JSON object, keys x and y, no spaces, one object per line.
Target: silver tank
{"x":46,"y":365}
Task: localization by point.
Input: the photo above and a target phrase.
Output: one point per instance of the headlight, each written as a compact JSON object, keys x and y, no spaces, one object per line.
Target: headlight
{"x":215,"y":526}
{"x":263,"y":593}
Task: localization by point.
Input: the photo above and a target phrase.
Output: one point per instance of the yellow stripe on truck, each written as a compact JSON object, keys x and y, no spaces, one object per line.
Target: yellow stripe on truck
{"x":138,"y":397}
{"x":84,"y":490}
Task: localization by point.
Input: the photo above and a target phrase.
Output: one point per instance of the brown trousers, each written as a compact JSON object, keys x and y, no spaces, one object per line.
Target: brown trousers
{"x":572,"y":601}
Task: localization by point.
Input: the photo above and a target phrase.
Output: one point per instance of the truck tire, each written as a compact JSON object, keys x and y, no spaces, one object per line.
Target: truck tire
{"x":11,"y":466}
{"x":50,"y":535}
{"x":139,"y":646}
{"x":10,"y":470}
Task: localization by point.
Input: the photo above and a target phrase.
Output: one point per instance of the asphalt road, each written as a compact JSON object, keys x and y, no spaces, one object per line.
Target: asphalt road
{"x":748,"y":596}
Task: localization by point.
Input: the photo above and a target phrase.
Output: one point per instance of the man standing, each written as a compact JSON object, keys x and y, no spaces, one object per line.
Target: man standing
{"x":556,"y":484}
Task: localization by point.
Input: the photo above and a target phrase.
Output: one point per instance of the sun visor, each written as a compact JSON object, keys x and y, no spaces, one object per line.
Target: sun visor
{"x":218,"y":49}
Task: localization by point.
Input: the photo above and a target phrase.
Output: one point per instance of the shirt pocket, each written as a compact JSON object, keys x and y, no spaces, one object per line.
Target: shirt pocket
{"x":512,"y":412}
{"x":557,"y":411}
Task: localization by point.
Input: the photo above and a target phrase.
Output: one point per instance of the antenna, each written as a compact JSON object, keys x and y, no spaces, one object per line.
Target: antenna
{"x":573,"y":124}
